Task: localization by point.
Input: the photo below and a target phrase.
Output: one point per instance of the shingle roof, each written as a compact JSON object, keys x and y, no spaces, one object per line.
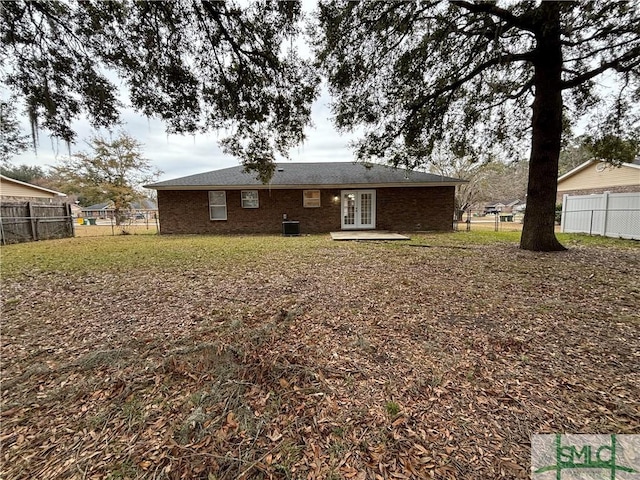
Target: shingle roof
{"x":144,"y":204}
{"x":506,"y":203}
{"x":290,"y":175}
{"x":99,"y":206}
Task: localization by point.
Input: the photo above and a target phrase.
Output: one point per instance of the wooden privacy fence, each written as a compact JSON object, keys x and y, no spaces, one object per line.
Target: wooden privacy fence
{"x":29,"y":221}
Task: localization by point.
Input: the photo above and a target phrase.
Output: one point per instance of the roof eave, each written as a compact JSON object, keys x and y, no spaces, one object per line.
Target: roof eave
{"x":30,"y":185}
{"x":341,"y":186}
{"x":580,"y":167}
{"x":584,"y":165}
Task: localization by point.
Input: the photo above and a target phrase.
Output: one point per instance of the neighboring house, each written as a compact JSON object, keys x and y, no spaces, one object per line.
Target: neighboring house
{"x":143,"y":209}
{"x":146,"y":208}
{"x":76,"y":210}
{"x":16,"y":191}
{"x":598,"y":177}
{"x":29,"y":212}
{"x":99,"y":210}
{"x":505,"y":206}
{"x":323,"y":197}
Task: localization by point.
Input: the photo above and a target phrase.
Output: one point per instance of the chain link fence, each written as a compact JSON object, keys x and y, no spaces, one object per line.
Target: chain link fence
{"x":498,"y":222}
{"x":102,"y":227}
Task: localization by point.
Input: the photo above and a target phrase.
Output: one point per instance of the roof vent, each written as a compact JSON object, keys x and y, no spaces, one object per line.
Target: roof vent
{"x":280,"y":169}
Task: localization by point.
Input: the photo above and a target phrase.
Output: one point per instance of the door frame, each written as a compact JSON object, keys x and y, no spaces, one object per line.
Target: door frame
{"x":357,"y":216}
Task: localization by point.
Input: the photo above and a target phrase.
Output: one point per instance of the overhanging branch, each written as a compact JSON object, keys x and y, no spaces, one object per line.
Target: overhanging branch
{"x":619,"y":64}
{"x":501,"y":13}
{"x":521,"y":57}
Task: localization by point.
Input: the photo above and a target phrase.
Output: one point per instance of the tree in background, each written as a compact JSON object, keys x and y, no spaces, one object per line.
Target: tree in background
{"x":13,"y":140}
{"x":196,"y":65}
{"x":574,"y":153}
{"x":25,"y":173}
{"x":464,"y":168}
{"x":505,"y":181}
{"x":477,"y":77}
{"x":33,"y":174}
{"x":486,"y":182}
{"x":114,"y":170}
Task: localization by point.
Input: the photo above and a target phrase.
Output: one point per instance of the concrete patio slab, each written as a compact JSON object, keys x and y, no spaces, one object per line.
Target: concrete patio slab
{"x":367,"y":235}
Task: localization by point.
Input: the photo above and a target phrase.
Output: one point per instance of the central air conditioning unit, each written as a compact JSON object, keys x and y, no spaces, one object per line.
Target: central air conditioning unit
{"x":290,"y":228}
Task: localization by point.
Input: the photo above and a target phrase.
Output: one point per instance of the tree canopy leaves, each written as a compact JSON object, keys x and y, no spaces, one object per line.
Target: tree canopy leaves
{"x":606,"y":147}
{"x":421,"y":75}
{"x":12,"y":140}
{"x":196,"y":65}
{"x":23,"y":173}
{"x":613,"y":148}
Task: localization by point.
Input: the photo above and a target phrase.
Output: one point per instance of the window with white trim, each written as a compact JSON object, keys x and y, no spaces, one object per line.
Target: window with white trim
{"x":217,"y":205}
{"x":249,"y":198}
{"x":311,"y":198}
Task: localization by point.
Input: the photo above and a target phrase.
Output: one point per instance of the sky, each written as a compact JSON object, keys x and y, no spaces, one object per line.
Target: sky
{"x":181,"y":155}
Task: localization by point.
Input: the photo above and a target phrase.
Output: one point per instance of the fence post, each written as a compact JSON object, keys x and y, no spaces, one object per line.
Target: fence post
{"x":564,"y":210}
{"x":34,"y":227}
{"x":70,"y":219}
{"x":3,"y":241}
{"x":605,"y":208}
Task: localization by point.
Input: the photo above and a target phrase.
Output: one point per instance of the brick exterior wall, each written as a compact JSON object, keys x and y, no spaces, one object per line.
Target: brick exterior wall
{"x":413,"y":209}
{"x":402,"y":209}
{"x":619,"y":189}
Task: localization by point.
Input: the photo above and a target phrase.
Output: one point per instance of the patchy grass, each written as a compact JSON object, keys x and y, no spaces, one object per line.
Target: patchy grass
{"x":577,"y":239}
{"x":270,"y":357}
{"x":109,"y":230}
{"x":125,"y":253}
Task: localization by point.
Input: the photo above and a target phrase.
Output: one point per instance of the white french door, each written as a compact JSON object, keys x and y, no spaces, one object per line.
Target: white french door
{"x":358,"y":209}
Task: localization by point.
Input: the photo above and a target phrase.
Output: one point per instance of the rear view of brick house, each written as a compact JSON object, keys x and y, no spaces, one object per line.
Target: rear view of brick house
{"x":322,"y":197}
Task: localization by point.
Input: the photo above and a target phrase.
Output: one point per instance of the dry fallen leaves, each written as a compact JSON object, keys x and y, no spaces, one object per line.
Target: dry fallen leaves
{"x":282,"y":368}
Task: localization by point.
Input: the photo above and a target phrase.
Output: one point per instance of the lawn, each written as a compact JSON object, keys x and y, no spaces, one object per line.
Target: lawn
{"x":106,"y":230}
{"x":266,"y":357}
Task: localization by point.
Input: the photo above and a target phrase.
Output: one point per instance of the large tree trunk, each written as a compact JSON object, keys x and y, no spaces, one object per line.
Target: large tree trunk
{"x":538,"y":230}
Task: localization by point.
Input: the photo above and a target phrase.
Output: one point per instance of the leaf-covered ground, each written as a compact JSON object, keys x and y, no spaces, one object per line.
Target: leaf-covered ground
{"x":264,"y":357}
